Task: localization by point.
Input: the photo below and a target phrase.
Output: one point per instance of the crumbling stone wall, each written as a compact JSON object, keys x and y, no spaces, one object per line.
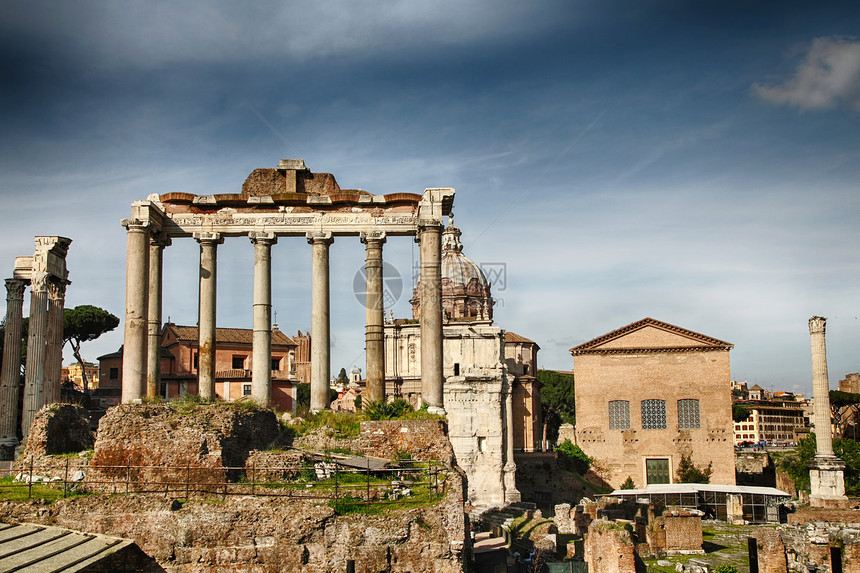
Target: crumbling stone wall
{"x":609,"y":548}
{"x":675,"y":531}
{"x":422,"y":439}
{"x":166,"y":439}
{"x":259,"y":534}
{"x":810,"y":545}
{"x":755,"y":468}
{"x":59,"y":429}
{"x":771,"y":551}
{"x":56,"y":429}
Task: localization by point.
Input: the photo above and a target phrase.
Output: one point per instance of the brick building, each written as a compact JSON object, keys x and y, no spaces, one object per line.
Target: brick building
{"x":648,"y":394}
{"x":772,"y":421}
{"x":233,"y":349}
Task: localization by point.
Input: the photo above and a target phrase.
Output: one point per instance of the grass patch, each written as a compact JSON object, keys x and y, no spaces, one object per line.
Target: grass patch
{"x":18,"y":492}
{"x":422,"y":496}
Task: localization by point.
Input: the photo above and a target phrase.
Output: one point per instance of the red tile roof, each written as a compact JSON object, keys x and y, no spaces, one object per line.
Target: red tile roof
{"x":514,"y":337}
{"x":230,"y":335}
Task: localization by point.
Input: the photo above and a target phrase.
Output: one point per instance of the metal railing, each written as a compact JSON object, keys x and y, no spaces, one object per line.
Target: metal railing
{"x":401,"y":482}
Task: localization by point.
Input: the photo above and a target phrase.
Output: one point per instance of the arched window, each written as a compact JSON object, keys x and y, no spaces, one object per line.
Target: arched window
{"x":619,"y":415}
{"x":688,"y":414}
{"x":653,"y":414}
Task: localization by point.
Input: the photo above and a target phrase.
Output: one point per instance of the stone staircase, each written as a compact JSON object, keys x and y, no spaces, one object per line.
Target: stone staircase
{"x":491,"y":518}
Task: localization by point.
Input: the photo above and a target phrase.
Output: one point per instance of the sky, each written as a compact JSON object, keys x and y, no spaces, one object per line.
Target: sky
{"x":695,"y":162}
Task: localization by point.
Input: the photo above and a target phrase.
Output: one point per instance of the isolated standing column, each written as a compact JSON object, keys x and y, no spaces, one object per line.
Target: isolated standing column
{"x":206,"y":317}
{"x":820,"y":387}
{"x":34,"y":379}
{"x":10,"y":373}
{"x":320,"y":325}
{"x":261,"y":360}
{"x":374,"y":316}
{"x":432,"y":378}
{"x":136,"y":309}
{"x":54,"y":340}
{"x":153,"y":336}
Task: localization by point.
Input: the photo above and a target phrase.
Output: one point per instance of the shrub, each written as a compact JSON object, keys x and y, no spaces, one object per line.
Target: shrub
{"x":628,"y":484}
{"x":381,"y":410}
{"x":571,"y":457}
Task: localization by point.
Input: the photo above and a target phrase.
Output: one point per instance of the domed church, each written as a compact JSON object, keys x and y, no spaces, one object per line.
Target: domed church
{"x":465,"y":290}
{"x":491,"y":395}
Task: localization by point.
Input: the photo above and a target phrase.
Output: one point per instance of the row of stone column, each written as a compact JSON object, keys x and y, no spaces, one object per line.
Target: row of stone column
{"x":43,"y":366}
{"x":143,"y":314}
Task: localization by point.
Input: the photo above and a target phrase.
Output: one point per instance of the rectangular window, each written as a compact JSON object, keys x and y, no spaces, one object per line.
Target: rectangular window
{"x":246,"y":389}
{"x":657,"y":471}
{"x":619,"y":415}
{"x":276,"y":363}
{"x":196,"y":361}
{"x":238,"y":363}
{"x":688,"y":414}
{"x":654,"y":415}
{"x":114,"y":373}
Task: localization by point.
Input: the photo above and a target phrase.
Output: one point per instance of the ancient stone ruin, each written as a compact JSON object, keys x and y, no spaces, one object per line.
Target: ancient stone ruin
{"x":46,"y":274}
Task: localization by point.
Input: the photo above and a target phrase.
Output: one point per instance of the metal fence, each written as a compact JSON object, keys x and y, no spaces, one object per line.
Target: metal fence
{"x":409,"y":481}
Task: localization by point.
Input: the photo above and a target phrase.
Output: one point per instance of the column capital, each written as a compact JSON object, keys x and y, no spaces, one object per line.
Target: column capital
{"x":211,"y":238}
{"x":134,"y":224}
{"x":38,"y":281}
{"x":57,"y":288}
{"x":372,"y":237}
{"x":160,"y":239}
{"x":264,"y":237}
{"x":319,"y":237}
{"x":817,"y":325}
{"x":15,"y":289}
{"x":427,"y":225}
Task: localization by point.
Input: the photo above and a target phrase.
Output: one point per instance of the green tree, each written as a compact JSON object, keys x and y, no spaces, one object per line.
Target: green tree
{"x":342,"y":378}
{"x":844,"y":407}
{"x":796,"y":463}
{"x":628,"y":484}
{"x":82,"y":324}
{"x":557,"y":392}
{"x":740,"y":413}
{"x":688,"y":472}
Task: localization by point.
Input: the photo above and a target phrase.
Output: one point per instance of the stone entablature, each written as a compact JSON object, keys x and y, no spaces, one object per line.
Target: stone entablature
{"x":287,"y":201}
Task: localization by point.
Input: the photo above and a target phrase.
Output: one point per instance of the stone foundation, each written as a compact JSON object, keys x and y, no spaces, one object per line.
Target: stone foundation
{"x":609,"y":548}
{"x":262,"y":535}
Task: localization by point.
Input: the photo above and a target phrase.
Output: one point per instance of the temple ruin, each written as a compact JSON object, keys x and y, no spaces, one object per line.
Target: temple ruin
{"x":286,"y":201}
{"x":46,"y":274}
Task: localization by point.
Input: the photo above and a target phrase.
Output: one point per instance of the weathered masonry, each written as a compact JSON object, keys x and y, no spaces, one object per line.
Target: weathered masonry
{"x":47,"y":276}
{"x":288,"y":201}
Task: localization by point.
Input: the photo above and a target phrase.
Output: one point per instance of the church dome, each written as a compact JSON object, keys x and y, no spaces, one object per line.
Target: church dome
{"x":457,"y":267}
{"x":465,"y":289}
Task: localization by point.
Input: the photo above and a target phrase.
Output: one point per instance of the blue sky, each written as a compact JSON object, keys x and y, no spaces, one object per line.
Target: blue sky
{"x":696,"y":162}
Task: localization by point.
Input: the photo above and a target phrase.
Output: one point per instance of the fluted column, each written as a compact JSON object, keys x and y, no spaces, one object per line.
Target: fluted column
{"x":512,"y":494}
{"x":432,"y":378}
{"x":10,"y":374}
{"x":320,"y":326}
{"x":54,"y":341}
{"x":261,"y":361}
{"x":374,"y":316}
{"x":34,"y":380}
{"x":153,"y":319}
{"x":820,"y":387}
{"x":206,"y":317}
{"x":136,"y":309}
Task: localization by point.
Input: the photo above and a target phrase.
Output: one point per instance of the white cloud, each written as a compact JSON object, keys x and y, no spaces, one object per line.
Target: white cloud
{"x":150,"y":34}
{"x":828,"y":77}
